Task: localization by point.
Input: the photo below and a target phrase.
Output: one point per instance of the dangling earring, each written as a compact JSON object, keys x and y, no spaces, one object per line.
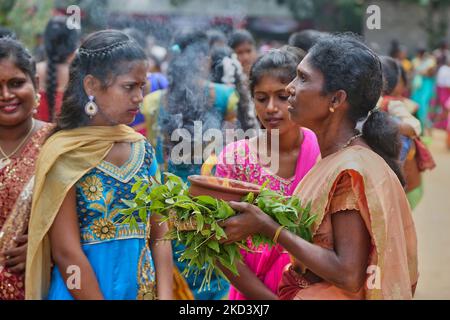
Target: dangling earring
{"x":91,"y":107}
{"x":331,"y":109}
{"x":38,"y":99}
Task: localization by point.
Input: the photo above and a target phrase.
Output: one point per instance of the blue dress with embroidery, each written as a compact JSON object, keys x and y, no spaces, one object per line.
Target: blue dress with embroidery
{"x":114,"y":244}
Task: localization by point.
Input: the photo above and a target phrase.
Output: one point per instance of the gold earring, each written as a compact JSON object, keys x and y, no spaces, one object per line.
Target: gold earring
{"x":331,"y":109}
{"x":91,"y":107}
{"x":38,"y":99}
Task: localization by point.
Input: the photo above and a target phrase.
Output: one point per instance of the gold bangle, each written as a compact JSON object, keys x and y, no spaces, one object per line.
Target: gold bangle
{"x":277,"y":234}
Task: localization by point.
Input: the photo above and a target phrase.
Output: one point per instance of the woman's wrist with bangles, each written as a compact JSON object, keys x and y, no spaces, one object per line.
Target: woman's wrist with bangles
{"x":270,"y":228}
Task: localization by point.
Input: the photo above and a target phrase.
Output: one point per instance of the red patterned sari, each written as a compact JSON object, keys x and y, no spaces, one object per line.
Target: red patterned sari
{"x":16,"y":186}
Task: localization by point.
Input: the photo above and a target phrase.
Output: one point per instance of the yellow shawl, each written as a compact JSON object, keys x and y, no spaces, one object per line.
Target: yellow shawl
{"x":63,"y":160}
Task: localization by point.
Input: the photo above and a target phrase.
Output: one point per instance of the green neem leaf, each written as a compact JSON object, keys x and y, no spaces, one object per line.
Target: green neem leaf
{"x":133,"y":224}
{"x":170,"y":201}
{"x":205,"y":232}
{"x":171,"y":177}
{"x":220,"y":233}
{"x":249,"y":198}
{"x":143,"y":214}
{"x":129,"y":203}
{"x":310,"y":221}
{"x":200,"y":220}
{"x":213,"y":244}
{"x":127,"y":212}
{"x":224,"y":210}
{"x":189,"y":238}
{"x":136,"y":186}
{"x":157,"y":205}
{"x":264,"y":185}
{"x":228,"y":265}
{"x":232,"y":251}
{"x":142,"y":191}
{"x":189,"y":254}
{"x":158,"y":176}
{"x":207,"y":200}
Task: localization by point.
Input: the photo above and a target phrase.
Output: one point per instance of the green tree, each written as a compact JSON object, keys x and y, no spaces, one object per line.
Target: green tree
{"x":338,"y":15}
{"x":26,"y":17}
{"x":436,"y":22}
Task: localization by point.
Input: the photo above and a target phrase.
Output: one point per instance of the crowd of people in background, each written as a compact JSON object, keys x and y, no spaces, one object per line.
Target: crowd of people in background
{"x":426,"y":77}
{"x":97,"y":111}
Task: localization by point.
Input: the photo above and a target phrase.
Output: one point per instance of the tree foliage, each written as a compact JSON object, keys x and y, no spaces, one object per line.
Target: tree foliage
{"x":26,"y":17}
{"x":339,"y":15}
{"x":436,"y":22}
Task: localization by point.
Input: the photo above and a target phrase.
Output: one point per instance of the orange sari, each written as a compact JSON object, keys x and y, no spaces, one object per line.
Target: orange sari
{"x":357,"y":178}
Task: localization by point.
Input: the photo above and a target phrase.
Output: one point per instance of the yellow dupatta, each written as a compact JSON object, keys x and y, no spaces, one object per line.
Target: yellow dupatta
{"x":64,"y":159}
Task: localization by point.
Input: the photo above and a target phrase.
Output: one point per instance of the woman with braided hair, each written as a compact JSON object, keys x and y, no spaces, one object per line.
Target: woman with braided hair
{"x":82,"y":244}
{"x":364,"y":243}
{"x":226,"y":69}
{"x":60,"y":44}
{"x":190,"y":98}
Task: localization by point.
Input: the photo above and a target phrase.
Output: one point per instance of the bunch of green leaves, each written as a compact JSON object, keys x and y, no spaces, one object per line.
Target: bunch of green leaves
{"x":172,"y":202}
{"x":196,"y":222}
{"x":286,"y":211}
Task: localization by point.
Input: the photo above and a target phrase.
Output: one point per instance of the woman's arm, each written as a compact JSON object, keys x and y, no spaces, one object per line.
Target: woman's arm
{"x":67,"y":252}
{"x":406,"y":130}
{"x":162,"y":256}
{"x":16,"y":257}
{"x":409,"y":125}
{"x":345,"y":266}
{"x":248,"y":283}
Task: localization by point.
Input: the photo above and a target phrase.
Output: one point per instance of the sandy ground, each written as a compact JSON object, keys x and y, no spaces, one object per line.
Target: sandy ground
{"x":432,"y":218}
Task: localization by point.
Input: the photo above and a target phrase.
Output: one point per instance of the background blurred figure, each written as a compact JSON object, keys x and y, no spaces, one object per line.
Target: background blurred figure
{"x":442,"y":54}
{"x":5,"y":32}
{"x":305,"y":39}
{"x":393,"y":102}
{"x":39,"y":48}
{"x":443,"y":96}
{"x":423,"y":86}
{"x":216,"y":38}
{"x":191,"y":97}
{"x":400,"y":53}
{"x":60,"y":45}
{"x":226,"y":69}
{"x":243,"y":43}
{"x":156,"y":80}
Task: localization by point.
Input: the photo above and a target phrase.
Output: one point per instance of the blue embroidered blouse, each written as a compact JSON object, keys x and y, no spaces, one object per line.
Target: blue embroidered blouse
{"x":114,"y":243}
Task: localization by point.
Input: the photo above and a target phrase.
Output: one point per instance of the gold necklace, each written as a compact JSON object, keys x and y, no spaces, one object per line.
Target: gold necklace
{"x":6,"y":160}
{"x":351,"y":140}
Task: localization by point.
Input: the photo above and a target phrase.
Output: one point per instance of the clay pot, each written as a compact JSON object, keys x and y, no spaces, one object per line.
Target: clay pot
{"x":221,"y":188}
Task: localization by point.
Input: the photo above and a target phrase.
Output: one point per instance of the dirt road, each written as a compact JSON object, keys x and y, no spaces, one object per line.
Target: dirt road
{"x":432,"y":218}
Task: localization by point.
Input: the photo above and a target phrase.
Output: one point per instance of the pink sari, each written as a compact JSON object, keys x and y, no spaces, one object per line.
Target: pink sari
{"x":443,"y":96}
{"x":267,"y":263}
